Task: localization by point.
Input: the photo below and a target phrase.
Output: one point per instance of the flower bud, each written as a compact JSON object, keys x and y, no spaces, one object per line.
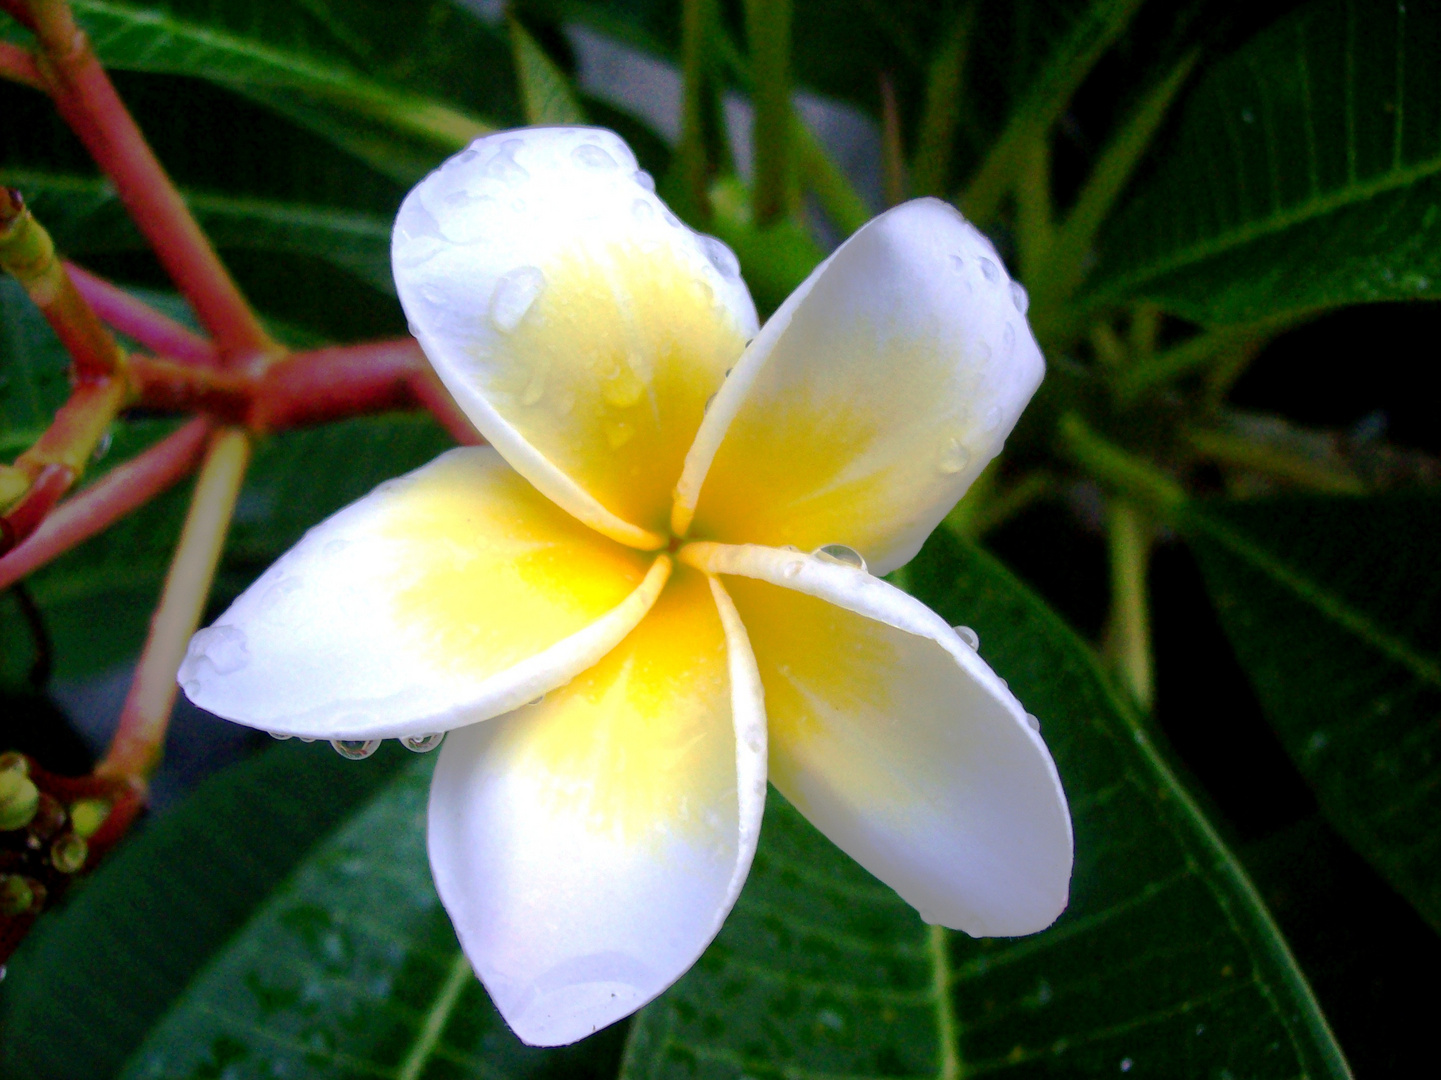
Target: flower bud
{"x":18,"y":895}
{"x":68,"y":853}
{"x":19,"y":800}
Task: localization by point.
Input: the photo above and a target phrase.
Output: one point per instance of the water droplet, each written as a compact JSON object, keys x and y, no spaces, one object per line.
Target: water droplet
{"x":503,"y":167}
{"x":645,"y":180}
{"x":592,"y":157}
{"x":839,"y":553}
{"x":1019,"y":297}
{"x":954,"y":456}
{"x":103,"y":446}
{"x":192,"y":688}
{"x":672,"y":220}
{"x":1008,"y":341}
{"x":993,"y":418}
{"x":1126,"y":1064}
{"x":969,"y":636}
{"x":618,"y":433}
{"x":279,"y":736}
{"x":1033,"y":722}
{"x":68,"y":853}
{"x":412,"y":329}
{"x":423,"y":744}
{"x":513,"y":296}
{"x":642,"y":211}
{"x":708,"y":402}
{"x":535,"y":701}
{"x":305,"y":738}
{"x":721,"y":257}
{"x":990,"y":270}
{"x":792,"y":568}
{"x":624,"y":388}
{"x":957,"y":263}
{"x":224,"y":646}
{"x":355,"y":749}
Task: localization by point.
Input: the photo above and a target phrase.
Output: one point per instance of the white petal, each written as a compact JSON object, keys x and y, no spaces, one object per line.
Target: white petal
{"x":578,"y":323}
{"x":894,"y":737}
{"x":444,"y":597}
{"x":872,"y":399}
{"x":588,"y":848}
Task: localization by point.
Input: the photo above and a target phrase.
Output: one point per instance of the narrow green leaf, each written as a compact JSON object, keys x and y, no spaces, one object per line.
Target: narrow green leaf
{"x":85,"y":215}
{"x":823,"y":178}
{"x":1306,"y":174}
{"x":768,"y":39}
{"x":931,"y":166}
{"x":1065,"y":265}
{"x":543,"y":87}
{"x":1166,"y":961}
{"x":1334,"y":608}
{"x":1049,"y":94}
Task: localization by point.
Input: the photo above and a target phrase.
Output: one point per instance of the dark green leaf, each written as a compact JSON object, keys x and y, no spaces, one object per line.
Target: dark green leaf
{"x":1306,"y":174}
{"x":544,"y":88}
{"x":1334,"y":609}
{"x":1166,"y":962}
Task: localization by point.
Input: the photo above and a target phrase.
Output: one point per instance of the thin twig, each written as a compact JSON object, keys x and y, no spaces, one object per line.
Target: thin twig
{"x":136,"y":319}
{"x":135,"y":749}
{"x":87,"y":100}
{"x":17,"y":65}
{"x":120,"y":491}
{"x":1128,"y":635}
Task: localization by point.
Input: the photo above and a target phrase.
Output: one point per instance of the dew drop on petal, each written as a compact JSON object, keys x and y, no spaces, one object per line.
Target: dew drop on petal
{"x":335,"y":547}
{"x":645,"y":180}
{"x":592,"y":157}
{"x":993,"y":418}
{"x":423,"y":744}
{"x":624,"y":388}
{"x":503,"y":166}
{"x":708,"y":402}
{"x":535,"y":701}
{"x":990,"y":270}
{"x":1033,"y":722}
{"x":1019,"y":297}
{"x":1008,"y":341}
{"x":792,"y":568}
{"x":191,"y":687}
{"x":224,"y":646}
{"x":355,"y":749}
{"x":514,"y":294}
{"x":642,"y":211}
{"x":840,"y":554}
{"x":954,"y":456}
{"x":969,"y":636}
{"x":305,"y":738}
{"x":534,"y":387}
{"x":957,"y":263}
{"x":278,"y":735}
{"x":672,"y":220}
{"x":721,"y":257}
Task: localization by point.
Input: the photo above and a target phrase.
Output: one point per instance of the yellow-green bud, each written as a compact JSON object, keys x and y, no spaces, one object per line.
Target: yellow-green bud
{"x":16,"y":895}
{"x":87,"y":815}
{"x":13,"y":759}
{"x":19,"y":800}
{"x":68,"y":853}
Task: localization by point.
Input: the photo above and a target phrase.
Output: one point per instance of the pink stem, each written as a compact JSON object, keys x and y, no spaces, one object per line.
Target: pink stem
{"x":87,"y":100}
{"x":17,"y":65}
{"x":137,"y":319}
{"x":330,"y":384}
{"x":110,"y":498}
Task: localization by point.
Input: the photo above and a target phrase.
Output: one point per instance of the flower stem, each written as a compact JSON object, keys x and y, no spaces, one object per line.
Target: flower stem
{"x":17,"y":65}
{"x":27,"y":252}
{"x":117,"y":493}
{"x":135,"y":749}
{"x":137,"y":319}
{"x":1128,"y":636}
{"x":1119,"y":469}
{"x":87,"y":100}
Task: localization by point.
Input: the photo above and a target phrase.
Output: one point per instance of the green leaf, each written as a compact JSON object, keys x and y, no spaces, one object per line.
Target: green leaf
{"x":1166,"y":960}
{"x":385,"y":80}
{"x":1333,"y":606}
{"x":543,"y":86}
{"x":1306,"y":174}
{"x":85,"y":216}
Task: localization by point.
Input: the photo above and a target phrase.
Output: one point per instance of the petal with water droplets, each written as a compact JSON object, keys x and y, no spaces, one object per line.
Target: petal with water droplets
{"x":871,"y":400}
{"x":588,"y":848}
{"x":575,"y":320}
{"x":893,"y":736}
{"x":443,"y":597}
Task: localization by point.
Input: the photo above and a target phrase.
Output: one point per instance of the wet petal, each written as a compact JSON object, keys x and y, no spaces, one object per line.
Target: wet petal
{"x":444,"y":597}
{"x":588,"y":848}
{"x":871,"y":399}
{"x":894,"y":737}
{"x":578,"y":323}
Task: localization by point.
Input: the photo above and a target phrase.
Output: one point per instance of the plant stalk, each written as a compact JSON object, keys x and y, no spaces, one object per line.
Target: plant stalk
{"x":1128,"y":636}
{"x":135,"y":750}
{"x":768,"y":33}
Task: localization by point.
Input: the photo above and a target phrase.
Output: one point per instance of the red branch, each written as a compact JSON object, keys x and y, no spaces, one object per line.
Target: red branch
{"x":117,"y":493}
{"x":87,"y":100}
{"x":17,"y":65}
{"x":45,"y":490}
{"x":136,"y":319}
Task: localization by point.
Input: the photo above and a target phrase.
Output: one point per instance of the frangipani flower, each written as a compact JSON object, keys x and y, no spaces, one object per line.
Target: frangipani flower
{"x":611,"y":609}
